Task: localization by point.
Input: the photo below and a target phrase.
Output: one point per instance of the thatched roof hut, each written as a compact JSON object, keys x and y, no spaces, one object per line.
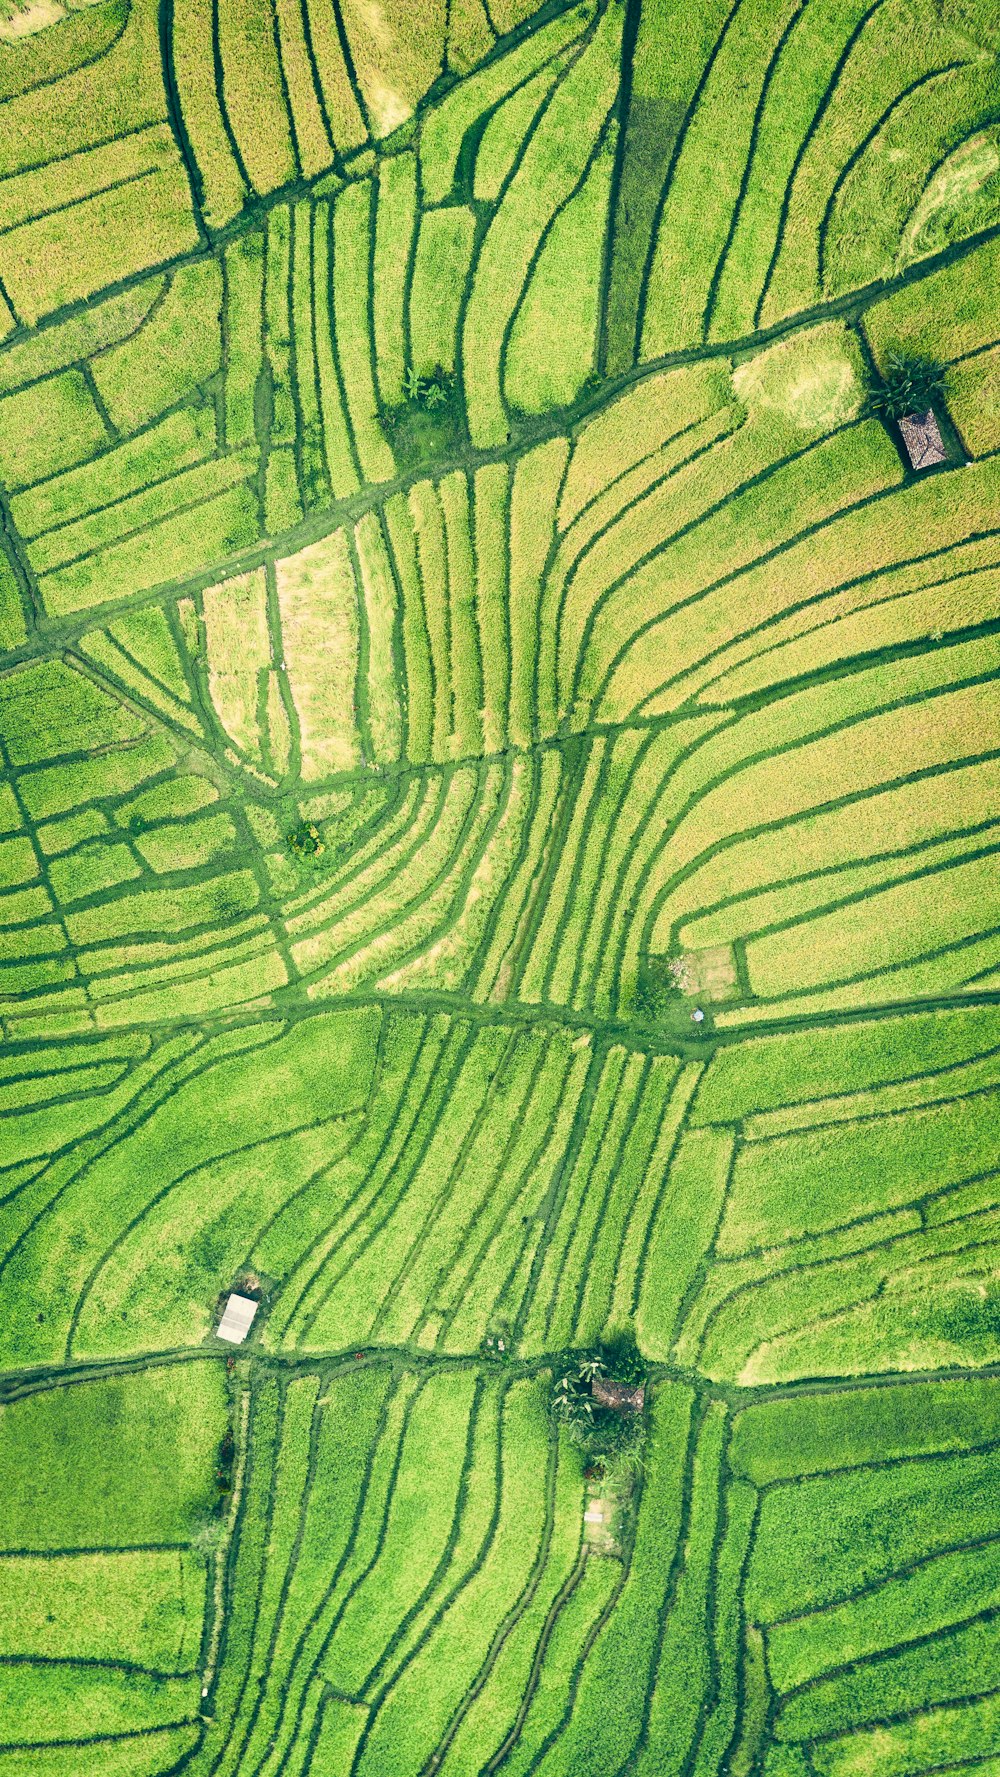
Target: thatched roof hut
{"x":619,"y":1396}
{"x":923,"y":440}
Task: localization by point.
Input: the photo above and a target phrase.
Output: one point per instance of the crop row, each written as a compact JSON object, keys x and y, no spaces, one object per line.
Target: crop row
{"x":405,"y":1581}
{"x":303,"y":329}
{"x":419,"y":1180}
{"x":407,"y":1584}
{"x":112,"y":857}
{"x":832,"y":114}
{"x":857,"y":1231}
{"x":842,"y":128}
{"x":115,"y":160}
{"x":290,"y":348}
{"x":427,"y":1180}
{"x":389,"y":1530}
{"x":546,"y":876}
{"x":102,"y":1595}
{"x":499,"y":623}
{"x":95,"y":187}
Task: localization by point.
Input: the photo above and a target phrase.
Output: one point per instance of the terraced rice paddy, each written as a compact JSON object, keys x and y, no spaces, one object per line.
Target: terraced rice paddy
{"x":461,"y":616}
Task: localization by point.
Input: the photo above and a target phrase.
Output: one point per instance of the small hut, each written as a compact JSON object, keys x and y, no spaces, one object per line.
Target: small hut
{"x":237,"y":1319}
{"x":923,"y":440}
{"x":621,"y":1397}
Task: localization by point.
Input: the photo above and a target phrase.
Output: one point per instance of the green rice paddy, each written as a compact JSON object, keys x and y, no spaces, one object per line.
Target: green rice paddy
{"x":499,"y":831}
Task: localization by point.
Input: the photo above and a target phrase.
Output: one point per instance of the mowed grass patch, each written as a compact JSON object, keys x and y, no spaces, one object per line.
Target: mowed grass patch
{"x":813,"y":382}
{"x":140,"y":1607}
{"x":114,"y":1462}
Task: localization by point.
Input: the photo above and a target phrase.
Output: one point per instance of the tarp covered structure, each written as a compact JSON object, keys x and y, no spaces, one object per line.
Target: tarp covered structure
{"x":237,"y":1319}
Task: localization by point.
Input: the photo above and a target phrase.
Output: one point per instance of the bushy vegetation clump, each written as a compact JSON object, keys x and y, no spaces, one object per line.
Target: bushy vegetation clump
{"x":611,"y":1440}
{"x":658,"y":992}
{"x":909,"y":385}
{"x":428,"y":391}
{"x":304,"y":841}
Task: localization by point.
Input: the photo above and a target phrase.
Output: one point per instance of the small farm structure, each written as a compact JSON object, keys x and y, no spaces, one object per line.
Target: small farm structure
{"x":237,"y":1319}
{"x":621,"y":1397}
{"x":923,"y":440}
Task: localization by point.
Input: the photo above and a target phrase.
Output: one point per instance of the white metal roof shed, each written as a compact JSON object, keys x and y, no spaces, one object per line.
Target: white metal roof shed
{"x":237,"y":1319}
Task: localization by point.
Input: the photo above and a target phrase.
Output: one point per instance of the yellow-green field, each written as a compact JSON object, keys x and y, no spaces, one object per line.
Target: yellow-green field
{"x":499,"y":837}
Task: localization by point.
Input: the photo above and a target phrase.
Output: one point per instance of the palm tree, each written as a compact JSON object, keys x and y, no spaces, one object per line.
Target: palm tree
{"x":590,"y":1367}
{"x":909,"y":385}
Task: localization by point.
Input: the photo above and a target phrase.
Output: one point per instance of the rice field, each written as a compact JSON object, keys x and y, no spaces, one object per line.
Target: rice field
{"x":499,"y":833}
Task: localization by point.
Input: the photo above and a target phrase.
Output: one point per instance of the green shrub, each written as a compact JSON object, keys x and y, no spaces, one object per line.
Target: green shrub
{"x":909,"y":385}
{"x":623,"y":1455}
{"x":428,"y":391}
{"x":571,"y":1401}
{"x":657,"y":991}
{"x":304,"y":841}
{"x":613,"y":1440}
{"x":621,"y":1357}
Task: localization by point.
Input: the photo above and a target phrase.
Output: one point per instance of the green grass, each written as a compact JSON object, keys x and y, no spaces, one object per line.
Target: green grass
{"x":852,"y":1530}
{"x":118,"y":1497}
{"x":48,"y":428}
{"x":448,"y":125}
{"x":784,"y":1438}
{"x":910,"y":1154}
{"x":127,"y":1757}
{"x":545,"y":367}
{"x":628,"y":637}
{"x":552,"y":165}
{"x":789,"y":1070}
{"x":680,"y":280}
{"x":140,"y":1607}
{"x":683,"y":1233}
{"x":175,"y":352}
{"x":941,"y":1592}
{"x":445,"y":1666}
{"x":417,"y":1531}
